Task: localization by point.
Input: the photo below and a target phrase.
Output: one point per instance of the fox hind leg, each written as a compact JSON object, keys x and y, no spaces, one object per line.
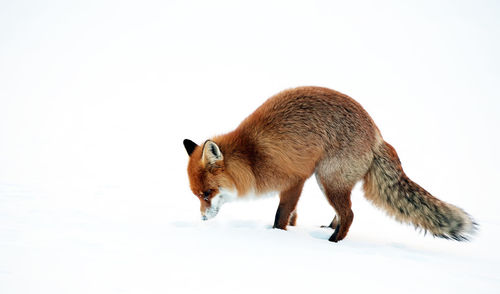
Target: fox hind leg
{"x":336,"y":176}
{"x":341,"y":202}
{"x":338,"y":194}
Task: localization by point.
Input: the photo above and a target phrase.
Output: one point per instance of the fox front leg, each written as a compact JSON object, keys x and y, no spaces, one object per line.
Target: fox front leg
{"x":288,"y":202}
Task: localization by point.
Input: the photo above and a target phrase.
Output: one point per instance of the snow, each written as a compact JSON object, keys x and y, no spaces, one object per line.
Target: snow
{"x":96,"y":98}
{"x":114,"y":241}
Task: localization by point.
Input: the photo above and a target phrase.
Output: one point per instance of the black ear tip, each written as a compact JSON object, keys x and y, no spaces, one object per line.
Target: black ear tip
{"x":189,"y":145}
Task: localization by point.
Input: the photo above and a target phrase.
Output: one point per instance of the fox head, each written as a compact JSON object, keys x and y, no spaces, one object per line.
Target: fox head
{"x":207,"y":177}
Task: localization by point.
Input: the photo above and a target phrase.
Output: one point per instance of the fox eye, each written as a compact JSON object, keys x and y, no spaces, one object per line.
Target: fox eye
{"x":207,"y":193}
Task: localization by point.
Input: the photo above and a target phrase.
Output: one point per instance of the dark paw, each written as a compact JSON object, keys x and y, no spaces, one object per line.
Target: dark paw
{"x":334,"y":237}
{"x":279,"y":228}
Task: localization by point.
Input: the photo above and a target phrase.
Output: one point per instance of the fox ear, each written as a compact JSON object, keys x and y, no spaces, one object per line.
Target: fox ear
{"x":189,"y":145}
{"x":211,"y":153}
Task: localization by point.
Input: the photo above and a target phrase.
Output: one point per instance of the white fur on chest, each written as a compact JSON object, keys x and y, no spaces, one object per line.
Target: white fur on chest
{"x":232,"y":195}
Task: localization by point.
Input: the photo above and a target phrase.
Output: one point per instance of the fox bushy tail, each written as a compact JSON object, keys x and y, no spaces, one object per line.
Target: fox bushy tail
{"x":387,"y":187}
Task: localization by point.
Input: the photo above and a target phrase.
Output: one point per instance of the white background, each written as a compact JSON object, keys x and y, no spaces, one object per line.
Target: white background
{"x":97,"y":96}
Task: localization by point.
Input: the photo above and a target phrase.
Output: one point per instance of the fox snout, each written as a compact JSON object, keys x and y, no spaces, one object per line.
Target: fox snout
{"x":209,"y":209}
{"x":209,"y":213}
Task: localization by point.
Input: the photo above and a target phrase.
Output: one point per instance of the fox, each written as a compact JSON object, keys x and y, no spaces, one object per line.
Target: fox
{"x":314,"y":130}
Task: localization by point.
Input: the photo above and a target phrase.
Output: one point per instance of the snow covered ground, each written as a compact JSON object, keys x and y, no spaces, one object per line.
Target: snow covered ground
{"x":114,"y":241}
{"x":97,"y":96}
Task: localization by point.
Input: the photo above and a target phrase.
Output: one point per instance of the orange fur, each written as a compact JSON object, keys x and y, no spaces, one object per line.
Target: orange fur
{"x":294,"y":134}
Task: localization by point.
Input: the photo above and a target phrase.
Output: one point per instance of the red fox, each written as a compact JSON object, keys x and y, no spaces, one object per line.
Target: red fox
{"x":313,"y":130}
